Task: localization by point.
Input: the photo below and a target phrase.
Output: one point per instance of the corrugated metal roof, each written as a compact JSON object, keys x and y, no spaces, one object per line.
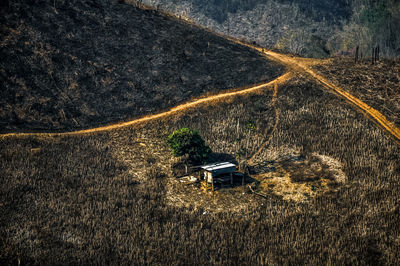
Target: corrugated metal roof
{"x":217,"y":166}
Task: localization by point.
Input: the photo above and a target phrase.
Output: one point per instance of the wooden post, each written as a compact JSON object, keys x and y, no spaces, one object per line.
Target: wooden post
{"x":212,"y":184}
{"x":373,"y":55}
{"x":237,"y":130}
{"x":377,"y":53}
{"x":356,"y":54}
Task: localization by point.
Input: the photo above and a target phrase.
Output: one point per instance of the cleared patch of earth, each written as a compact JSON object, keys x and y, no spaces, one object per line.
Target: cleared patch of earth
{"x":295,"y":178}
{"x":298,"y":177}
{"x":237,"y":200}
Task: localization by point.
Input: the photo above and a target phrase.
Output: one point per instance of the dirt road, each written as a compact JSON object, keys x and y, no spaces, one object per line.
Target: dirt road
{"x":179,"y":108}
{"x":301,"y":65}
{"x":270,"y":136}
{"x":372,"y":113}
{"x":298,"y":64}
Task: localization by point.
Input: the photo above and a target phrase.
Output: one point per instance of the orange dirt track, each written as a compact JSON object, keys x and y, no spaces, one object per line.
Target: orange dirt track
{"x":303,"y":65}
{"x":295,"y":63}
{"x":179,"y":108}
{"x":372,"y":113}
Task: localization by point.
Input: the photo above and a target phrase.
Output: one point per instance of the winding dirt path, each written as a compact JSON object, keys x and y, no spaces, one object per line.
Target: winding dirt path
{"x":303,"y":65}
{"x":179,"y":108}
{"x":298,"y":64}
{"x":372,"y":113}
{"x":269,"y":138}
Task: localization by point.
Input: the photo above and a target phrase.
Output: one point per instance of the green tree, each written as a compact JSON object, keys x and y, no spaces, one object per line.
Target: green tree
{"x":186,"y":141}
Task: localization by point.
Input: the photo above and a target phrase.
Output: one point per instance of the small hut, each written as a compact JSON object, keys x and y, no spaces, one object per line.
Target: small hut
{"x":218,"y":172}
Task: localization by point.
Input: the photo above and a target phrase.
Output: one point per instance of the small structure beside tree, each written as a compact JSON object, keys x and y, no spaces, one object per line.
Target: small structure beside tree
{"x":221,"y":173}
{"x":188,"y":142}
{"x":215,"y":170}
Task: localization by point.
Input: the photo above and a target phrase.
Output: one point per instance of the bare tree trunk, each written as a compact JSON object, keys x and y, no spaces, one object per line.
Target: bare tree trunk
{"x":373,"y":55}
{"x":356,"y":54}
{"x":237,"y":129}
{"x":377,"y":53}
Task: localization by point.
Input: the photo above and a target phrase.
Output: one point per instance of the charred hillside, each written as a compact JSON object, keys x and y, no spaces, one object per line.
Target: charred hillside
{"x":312,"y":28}
{"x":75,"y":64}
{"x":296,"y":26}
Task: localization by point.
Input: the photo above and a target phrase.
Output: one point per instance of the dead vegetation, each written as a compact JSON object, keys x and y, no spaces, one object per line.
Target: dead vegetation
{"x":375,"y":84}
{"x":299,"y":178}
{"x":88,"y":63}
{"x":94,"y":199}
{"x":329,"y":179}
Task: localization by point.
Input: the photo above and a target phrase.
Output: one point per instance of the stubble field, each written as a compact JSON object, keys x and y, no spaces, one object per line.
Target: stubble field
{"x":106,"y":198}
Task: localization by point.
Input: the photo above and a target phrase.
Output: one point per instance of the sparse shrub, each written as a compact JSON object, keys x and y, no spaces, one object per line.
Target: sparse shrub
{"x":186,"y":141}
{"x":251,"y":125}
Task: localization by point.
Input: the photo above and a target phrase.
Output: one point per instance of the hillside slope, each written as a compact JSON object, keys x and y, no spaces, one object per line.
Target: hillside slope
{"x":77,"y":64}
{"x":312,"y":28}
{"x":301,"y":27}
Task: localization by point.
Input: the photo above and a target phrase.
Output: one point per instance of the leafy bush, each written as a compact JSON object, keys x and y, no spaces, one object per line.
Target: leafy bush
{"x":186,"y":141}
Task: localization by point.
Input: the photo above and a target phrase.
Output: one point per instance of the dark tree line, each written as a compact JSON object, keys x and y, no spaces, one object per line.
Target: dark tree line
{"x":374,"y":26}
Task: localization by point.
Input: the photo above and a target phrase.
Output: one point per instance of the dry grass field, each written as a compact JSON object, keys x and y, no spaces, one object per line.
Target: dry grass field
{"x":322,"y":180}
{"x":111,"y":198}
